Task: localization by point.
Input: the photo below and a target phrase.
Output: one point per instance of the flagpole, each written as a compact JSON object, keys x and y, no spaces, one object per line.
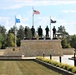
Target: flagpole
{"x":33,"y":16}
{"x":50,"y":27}
{"x":15,"y":31}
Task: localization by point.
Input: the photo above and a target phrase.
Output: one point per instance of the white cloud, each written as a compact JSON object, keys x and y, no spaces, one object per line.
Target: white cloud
{"x":64,"y":22}
{"x":8,"y":4}
{"x":70,"y":26}
{"x":44,"y":20}
{"x":68,"y":11}
{"x":5,"y":21}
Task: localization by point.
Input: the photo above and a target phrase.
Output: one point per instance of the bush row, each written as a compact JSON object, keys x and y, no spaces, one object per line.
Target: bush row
{"x":58,"y":64}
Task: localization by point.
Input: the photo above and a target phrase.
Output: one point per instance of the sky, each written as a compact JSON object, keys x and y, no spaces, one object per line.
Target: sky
{"x":63,"y":11}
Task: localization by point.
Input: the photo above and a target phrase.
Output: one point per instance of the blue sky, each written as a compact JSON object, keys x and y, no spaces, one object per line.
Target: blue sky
{"x":63,"y":11}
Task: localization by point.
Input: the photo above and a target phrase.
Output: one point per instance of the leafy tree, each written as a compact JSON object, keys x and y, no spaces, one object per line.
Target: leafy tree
{"x":73,"y":41}
{"x":1,"y":40}
{"x":12,"y":30}
{"x":65,"y":37}
{"x":62,"y":30}
{"x":2,"y":36}
{"x":29,"y":33}
{"x":65,"y":44}
{"x":3,"y":31}
{"x":20,"y":33}
{"x":10,"y":40}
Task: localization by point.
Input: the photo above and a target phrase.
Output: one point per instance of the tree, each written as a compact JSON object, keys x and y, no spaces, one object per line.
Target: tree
{"x":65,"y":43}
{"x":10,"y":40}
{"x":29,"y":34}
{"x":73,"y":41}
{"x":65,"y":37}
{"x":1,"y":40}
{"x":12,"y":30}
{"x":62,"y":30}
{"x":20,"y":33}
{"x":3,"y":31}
{"x":2,"y":36}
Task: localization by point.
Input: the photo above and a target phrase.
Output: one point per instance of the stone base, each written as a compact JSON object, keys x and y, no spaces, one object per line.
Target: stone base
{"x":47,"y":38}
{"x":26,"y":38}
{"x":55,"y":38}
{"x":41,"y":38}
{"x":10,"y":57}
{"x":33,"y":38}
{"x":31,"y":48}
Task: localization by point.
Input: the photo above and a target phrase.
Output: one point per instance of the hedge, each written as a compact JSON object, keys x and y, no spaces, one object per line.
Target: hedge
{"x":58,"y":64}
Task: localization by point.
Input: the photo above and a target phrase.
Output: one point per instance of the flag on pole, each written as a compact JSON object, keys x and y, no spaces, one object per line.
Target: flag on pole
{"x":17,"y":20}
{"x":36,"y":12}
{"x":52,"y":21}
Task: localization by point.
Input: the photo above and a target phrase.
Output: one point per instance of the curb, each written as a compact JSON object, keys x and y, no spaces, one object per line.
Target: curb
{"x":57,"y":69}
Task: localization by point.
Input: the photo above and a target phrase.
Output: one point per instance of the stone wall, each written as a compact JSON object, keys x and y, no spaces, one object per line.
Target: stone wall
{"x":40,"y":47}
{"x":68,"y":51}
{"x":11,"y":51}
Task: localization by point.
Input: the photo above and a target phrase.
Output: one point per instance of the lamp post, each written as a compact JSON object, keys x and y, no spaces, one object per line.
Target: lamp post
{"x":74,"y":57}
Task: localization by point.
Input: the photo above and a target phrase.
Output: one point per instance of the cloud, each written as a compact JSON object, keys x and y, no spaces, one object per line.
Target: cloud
{"x":8,"y":23}
{"x":5,"y":21}
{"x":65,"y":22}
{"x":44,"y":20}
{"x":14,"y":4}
{"x":68,"y":11}
{"x":70,"y":26}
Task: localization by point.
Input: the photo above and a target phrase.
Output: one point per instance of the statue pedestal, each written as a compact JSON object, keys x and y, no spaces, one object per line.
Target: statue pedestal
{"x":31,"y":48}
{"x":33,"y":38}
{"x":55,"y":38}
{"x":47,"y":38}
{"x":26,"y":38}
{"x":41,"y":38}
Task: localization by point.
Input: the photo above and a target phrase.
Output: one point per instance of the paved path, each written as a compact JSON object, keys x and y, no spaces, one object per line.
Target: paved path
{"x":65,"y":59}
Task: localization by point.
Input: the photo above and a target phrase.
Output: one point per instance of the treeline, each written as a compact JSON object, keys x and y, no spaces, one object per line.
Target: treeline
{"x":7,"y":39}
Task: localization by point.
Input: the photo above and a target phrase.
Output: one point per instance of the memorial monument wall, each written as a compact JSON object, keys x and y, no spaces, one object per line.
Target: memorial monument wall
{"x":40,"y":47}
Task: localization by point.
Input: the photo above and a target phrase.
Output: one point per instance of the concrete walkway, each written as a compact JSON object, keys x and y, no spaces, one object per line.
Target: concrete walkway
{"x":65,"y":59}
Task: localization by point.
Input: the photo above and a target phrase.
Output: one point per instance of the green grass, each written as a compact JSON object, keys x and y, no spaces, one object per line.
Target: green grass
{"x":24,"y":68}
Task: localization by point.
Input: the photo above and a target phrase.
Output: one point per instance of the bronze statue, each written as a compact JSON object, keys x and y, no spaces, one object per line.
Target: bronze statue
{"x":54,"y":32}
{"x":40,"y":31}
{"x":26,"y":31}
{"x":47,"y":31}
{"x":33,"y":31}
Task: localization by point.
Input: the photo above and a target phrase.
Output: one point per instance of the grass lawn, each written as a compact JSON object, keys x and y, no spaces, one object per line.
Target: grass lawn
{"x":24,"y":68}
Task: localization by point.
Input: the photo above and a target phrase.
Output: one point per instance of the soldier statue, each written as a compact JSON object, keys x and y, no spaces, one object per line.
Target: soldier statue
{"x":26,"y":31}
{"x":54,"y":32}
{"x":33,"y":31}
{"x":47,"y":31}
{"x":40,"y":31}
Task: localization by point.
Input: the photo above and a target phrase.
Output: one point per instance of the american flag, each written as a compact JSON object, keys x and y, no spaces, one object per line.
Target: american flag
{"x":36,"y":12}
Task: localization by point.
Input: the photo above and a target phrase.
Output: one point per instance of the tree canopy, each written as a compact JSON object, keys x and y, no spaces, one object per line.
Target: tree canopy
{"x":8,"y":38}
{"x":73,"y":41}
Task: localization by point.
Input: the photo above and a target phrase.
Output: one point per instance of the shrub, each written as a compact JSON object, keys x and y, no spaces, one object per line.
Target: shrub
{"x":74,"y":70}
{"x":64,"y":66}
{"x":69,"y":68}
